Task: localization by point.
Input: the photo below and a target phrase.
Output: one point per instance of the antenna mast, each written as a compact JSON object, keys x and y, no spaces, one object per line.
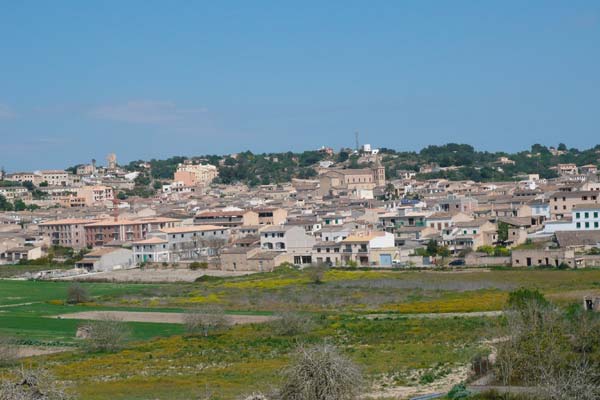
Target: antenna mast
{"x":356,"y":139}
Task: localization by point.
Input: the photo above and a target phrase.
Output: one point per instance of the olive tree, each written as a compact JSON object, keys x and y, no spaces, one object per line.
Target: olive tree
{"x":204,"y":320}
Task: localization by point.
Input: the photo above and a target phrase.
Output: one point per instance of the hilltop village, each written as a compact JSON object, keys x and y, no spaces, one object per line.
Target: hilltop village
{"x":340,"y":209}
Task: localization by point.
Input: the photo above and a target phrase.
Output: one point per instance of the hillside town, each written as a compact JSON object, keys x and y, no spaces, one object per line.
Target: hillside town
{"x":346,"y":214}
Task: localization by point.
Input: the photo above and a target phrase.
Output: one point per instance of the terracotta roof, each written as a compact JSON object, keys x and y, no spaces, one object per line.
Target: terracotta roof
{"x":152,"y":240}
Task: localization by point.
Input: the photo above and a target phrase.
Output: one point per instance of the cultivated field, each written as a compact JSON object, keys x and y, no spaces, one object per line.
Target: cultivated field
{"x":364,"y":313}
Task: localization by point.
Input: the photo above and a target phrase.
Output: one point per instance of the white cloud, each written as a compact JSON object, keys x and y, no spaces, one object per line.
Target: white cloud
{"x":144,"y":112}
{"x":6,"y":112}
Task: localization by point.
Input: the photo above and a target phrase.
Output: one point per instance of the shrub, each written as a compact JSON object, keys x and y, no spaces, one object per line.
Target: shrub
{"x":321,"y":373}
{"x":205,"y":320}
{"x":76,"y":293}
{"x":107,"y":334}
{"x":28,"y":384}
{"x":521,"y":298}
{"x":316,"y":273}
{"x":198,"y":265}
{"x":291,"y":324}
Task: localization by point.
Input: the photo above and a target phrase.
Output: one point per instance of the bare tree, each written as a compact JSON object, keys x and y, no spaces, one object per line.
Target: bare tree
{"x":8,"y":351}
{"x":291,"y":323}
{"x":107,"y":334}
{"x":32,"y":384}
{"x":77,"y":293}
{"x":205,"y":320}
{"x":579,"y":381}
{"x":321,"y":373}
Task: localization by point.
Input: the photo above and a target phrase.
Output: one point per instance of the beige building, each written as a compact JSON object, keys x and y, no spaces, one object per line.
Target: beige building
{"x":66,"y":232}
{"x":562,"y":203}
{"x":52,"y":177}
{"x":195,"y":174}
{"x":351,"y":180}
{"x":227,"y":218}
{"x":95,"y":194}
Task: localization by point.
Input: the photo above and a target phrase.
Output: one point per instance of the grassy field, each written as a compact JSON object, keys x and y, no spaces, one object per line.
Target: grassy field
{"x":163,"y":363}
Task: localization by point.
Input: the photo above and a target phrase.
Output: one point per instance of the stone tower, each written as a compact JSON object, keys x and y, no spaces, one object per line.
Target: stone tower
{"x":379,"y":172}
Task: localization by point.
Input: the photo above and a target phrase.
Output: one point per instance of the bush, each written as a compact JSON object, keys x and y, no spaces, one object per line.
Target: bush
{"x":521,"y":298}
{"x":198,"y":265}
{"x":76,"y":293}
{"x":107,"y":334}
{"x":291,"y":324}
{"x":28,"y":384}
{"x":316,"y":273}
{"x":321,"y":373}
{"x":459,"y":392}
{"x":205,"y":320}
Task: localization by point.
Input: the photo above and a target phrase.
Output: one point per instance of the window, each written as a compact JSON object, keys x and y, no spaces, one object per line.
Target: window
{"x":577,"y":215}
{"x":474,"y":232}
{"x":587,"y":224}
{"x":595,"y":214}
{"x":578,"y":225}
{"x":587,"y":214}
{"x":596,"y":224}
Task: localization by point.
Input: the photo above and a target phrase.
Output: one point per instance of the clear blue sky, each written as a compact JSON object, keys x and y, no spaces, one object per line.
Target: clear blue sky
{"x":80,"y":79}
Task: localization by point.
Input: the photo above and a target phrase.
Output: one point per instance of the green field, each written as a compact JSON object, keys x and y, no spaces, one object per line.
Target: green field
{"x":162,"y":363}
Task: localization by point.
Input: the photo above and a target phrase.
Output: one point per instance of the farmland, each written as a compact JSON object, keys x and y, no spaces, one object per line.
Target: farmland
{"x":394,"y":349}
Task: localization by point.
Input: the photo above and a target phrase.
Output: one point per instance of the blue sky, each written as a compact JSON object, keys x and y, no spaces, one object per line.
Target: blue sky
{"x":80,"y":79}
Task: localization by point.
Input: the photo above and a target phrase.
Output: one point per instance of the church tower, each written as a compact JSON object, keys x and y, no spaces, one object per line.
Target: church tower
{"x":379,"y":172}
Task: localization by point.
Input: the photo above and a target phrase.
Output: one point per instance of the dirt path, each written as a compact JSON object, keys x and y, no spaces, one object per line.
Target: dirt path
{"x":158,"y":317}
{"x":30,"y":351}
{"x":437,"y":315}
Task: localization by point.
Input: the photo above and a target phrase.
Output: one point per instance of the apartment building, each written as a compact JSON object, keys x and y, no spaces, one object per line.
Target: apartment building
{"x":103,"y":232}
{"x":13,"y":192}
{"x":562,"y":203}
{"x":586,"y":217}
{"x":228,"y":218}
{"x":195,"y":174}
{"x":181,"y":243}
{"x":293,"y":240}
{"x":66,"y":232}
{"x":271,"y":216}
{"x":369,"y":249}
{"x":52,"y":177}
{"x":95,"y":194}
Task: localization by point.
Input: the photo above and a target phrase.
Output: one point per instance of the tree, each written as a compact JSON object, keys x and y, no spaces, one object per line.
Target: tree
{"x":316,"y":273}
{"x":205,"y":320}
{"x":77,"y":293}
{"x":502,"y":231}
{"x":321,"y":373}
{"x":19,"y":205}
{"x":291,"y":324}
{"x":5,"y":205}
{"x":107,"y":334}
